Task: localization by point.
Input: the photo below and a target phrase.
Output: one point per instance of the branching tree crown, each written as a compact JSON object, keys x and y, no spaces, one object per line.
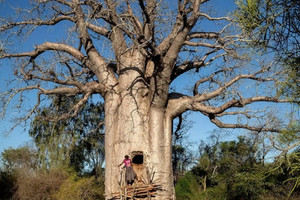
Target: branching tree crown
{"x":76,"y":65}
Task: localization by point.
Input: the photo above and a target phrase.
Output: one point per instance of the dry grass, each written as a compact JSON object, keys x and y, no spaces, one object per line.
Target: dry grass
{"x":40,"y":185}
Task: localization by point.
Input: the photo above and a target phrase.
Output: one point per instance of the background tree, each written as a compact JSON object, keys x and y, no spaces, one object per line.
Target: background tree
{"x":20,"y":158}
{"x":22,"y":178}
{"x":19,"y":168}
{"x":271,"y":24}
{"x":207,"y":165}
{"x":250,"y":167}
{"x":182,"y":155}
{"x":147,"y":46}
{"x":274,"y":27}
{"x":77,"y":142}
{"x":12,"y":163}
{"x":226,"y":170}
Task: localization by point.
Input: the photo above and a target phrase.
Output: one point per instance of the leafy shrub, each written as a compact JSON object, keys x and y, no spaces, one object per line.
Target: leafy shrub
{"x":245,"y":186}
{"x":218,"y":192}
{"x":81,"y":188}
{"x":188,"y":188}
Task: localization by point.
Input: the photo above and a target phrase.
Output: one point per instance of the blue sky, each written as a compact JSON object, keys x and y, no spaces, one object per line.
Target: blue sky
{"x":201,"y":125}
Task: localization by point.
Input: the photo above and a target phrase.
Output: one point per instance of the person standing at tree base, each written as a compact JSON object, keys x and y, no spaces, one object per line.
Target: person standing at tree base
{"x":130,"y":175}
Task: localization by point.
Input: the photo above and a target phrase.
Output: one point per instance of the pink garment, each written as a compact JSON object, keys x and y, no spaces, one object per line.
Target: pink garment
{"x":127,"y":162}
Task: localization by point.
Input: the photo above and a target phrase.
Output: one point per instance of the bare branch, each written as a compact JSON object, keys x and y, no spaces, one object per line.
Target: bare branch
{"x":204,"y":97}
{"x":179,"y":125}
{"x":137,"y":24}
{"x":116,"y":36}
{"x":213,"y":18}
{"x":196,"y":106}
{"x":195,"y":91}
{"x":98,"y":64}
{"x":97,"y":29}
{"x":148,"y":12}
{"x":164,"y":46}
{"x":189,"y":65}
{"x":243,"y":126}
{"x":53,"y":21}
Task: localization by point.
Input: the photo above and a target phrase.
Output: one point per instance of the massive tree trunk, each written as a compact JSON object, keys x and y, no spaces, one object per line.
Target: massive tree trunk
{"x":135,"y":127}
{"x":151,"y":137}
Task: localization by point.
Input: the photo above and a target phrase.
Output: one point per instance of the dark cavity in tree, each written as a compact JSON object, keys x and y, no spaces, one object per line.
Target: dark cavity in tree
{"x":138,"y":158}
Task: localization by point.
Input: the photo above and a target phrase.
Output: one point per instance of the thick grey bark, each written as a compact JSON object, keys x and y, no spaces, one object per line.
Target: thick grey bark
{"x":148,"y":133}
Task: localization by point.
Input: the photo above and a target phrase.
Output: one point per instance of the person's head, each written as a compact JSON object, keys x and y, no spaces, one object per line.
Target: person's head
{"x":126,"y":157}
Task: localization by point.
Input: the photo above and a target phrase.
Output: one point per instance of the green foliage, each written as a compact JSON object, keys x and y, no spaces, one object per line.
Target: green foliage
{"x":21,"y":179}
{"x":77,"y":142}
{"x":291,"y":134}
{"x":238,"y":170}
{"x":291,"y":86}
{"x":64,"y":148}
{"x":273,"y":25}
{"x":187,"y":188}
{"x":286,"y":172}
{"x":22,"y":157}
{"x":214,"y":193}
{"x":245,"y":185}
{"x":76,"y":188}
{"x":233,"y":170}
{"x":227,"y":170}
{"x":249,"y":14}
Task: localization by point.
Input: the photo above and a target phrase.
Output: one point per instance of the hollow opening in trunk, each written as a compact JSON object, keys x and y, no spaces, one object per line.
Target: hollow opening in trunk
{"x":138,"y":164}
{"x":137,"y":157}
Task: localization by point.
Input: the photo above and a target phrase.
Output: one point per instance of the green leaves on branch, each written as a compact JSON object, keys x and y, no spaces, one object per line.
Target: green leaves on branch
{"x":291,"y":134}
{"x":291,"y":86}
{"x":271,"y":24}
{"x":274,"y":26}
{"x":249,"y":15}
{"x":285,"y":172}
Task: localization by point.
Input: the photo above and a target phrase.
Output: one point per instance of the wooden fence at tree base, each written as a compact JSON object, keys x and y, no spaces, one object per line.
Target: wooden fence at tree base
{"x":132,"y":192}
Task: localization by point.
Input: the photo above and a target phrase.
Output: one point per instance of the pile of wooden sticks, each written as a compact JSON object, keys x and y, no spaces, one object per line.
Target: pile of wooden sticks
{"x":130,"y":192}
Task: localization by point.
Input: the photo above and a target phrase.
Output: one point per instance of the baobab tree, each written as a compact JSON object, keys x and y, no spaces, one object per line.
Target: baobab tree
{"x":130,"y":52}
